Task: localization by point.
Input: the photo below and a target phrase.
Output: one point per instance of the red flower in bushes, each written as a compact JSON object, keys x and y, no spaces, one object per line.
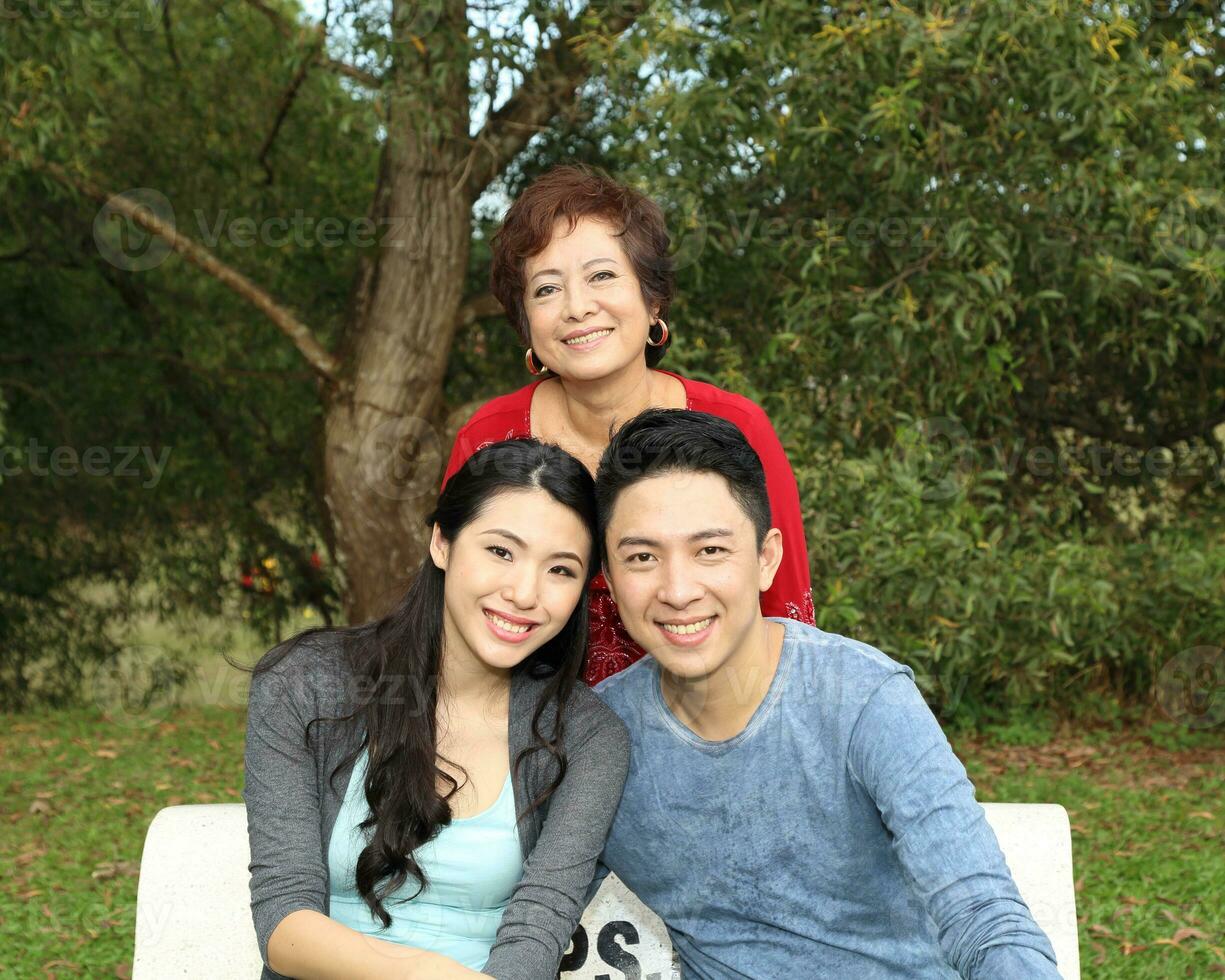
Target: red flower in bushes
{"x":316,"y":560}
{"x":260,"y":577}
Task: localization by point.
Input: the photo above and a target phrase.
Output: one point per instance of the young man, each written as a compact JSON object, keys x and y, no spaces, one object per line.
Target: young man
{"x":792,"y":808}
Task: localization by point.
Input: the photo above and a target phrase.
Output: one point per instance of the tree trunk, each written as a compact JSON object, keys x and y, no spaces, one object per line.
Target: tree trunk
{"x":383,"y":430}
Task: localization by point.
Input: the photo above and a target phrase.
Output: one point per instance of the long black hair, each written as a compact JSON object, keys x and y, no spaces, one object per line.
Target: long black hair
{"x":403,"y":651}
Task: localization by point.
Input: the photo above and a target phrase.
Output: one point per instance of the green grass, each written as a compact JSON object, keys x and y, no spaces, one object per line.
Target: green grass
{"x":78,"y":792}
{"x":80,"y":788}
{"x":1145,"y":804}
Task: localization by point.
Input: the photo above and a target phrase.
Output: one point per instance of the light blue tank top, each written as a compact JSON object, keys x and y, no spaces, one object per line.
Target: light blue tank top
{"x":471,"y":867}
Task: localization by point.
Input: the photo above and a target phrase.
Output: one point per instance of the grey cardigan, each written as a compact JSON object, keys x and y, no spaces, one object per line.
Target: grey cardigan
{"x":292,"y":805}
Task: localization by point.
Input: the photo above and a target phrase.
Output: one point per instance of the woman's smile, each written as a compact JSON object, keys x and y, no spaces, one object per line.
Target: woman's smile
{"x":508,"y":628}
{"x":586,"y":339}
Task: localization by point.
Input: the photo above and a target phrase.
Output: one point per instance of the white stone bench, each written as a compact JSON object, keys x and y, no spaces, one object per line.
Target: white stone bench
{"x":193,"y":913}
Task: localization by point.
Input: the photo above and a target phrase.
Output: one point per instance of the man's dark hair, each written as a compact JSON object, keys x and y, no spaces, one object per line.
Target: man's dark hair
{"x":677,"y":440}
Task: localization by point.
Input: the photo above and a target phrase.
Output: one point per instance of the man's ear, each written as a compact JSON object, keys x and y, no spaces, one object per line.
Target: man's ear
{"x":769,"y":558}
{"x":608,"y":578}
{"x":440,"y":548}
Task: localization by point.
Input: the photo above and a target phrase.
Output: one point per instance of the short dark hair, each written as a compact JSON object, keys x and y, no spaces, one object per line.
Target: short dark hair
{"x":671,"y":440}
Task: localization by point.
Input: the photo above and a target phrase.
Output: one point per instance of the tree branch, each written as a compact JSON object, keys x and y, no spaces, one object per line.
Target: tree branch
{"x":319,"y":357}
{"x":168,"y":31}
{"x":1111,"y":432}
{"x":283,"y":25}
{"x":176,"y":372}
{"x":359,"y":75}
{"x":906,"y":273}
{"x":287,"y":100}
{"x":550,"y":86}
{"x":287,"y":29}
{"x":52,"y":356}
{"x":477,"y":308}
{"x":60,"y":415}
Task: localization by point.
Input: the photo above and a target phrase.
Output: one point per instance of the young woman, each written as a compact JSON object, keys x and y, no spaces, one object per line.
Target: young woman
{"x":581,"y":267}
{"x":427,"y":794}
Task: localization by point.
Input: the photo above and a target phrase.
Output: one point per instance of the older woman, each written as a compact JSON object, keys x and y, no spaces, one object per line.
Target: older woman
{"x":581,"y":267}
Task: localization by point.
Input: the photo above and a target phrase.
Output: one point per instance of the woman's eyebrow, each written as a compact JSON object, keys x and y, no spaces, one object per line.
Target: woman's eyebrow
{"x":510,"y":535}
{"x":557,"y":272}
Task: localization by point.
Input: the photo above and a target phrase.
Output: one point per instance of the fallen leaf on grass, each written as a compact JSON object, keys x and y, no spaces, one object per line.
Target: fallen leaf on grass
{"x":1101,"y":953}
{"x":123,"y":971}
{"x":40,"y":806}
{"x":1184,"y":933}
{"x":1079,"y":755}
{"x":113,"y":869}
{"x":1202,"y":814}
{"x":107,"y":754}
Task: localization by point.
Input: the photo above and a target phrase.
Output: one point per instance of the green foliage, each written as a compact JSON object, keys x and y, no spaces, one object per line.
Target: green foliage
{"x":995,"y":603}
{"x":968,"y":257}
{"x":103,"y":351}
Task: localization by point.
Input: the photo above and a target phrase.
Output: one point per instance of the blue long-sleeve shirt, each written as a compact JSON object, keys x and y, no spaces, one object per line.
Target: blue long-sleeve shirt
{"x":836,"y":836}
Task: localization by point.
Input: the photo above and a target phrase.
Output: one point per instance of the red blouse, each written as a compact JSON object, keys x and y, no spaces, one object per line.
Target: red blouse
{"x":611,"y":649}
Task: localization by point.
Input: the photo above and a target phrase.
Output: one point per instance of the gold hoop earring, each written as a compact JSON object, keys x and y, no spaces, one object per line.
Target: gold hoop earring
{"x":662,"y":340}
{"x":530,"y":360}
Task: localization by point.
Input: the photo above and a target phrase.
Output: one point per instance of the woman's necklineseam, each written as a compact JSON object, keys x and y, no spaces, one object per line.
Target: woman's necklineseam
{"x":531,"y":395}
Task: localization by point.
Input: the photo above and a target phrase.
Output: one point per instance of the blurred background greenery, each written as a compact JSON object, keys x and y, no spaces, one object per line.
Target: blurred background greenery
{"x":969,"y":257}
